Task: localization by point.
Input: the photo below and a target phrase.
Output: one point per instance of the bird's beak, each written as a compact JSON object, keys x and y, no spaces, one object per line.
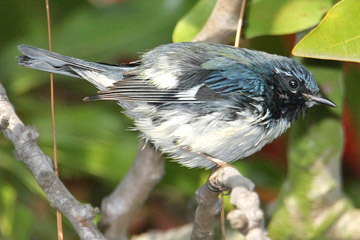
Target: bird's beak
{"x":320,"y":100}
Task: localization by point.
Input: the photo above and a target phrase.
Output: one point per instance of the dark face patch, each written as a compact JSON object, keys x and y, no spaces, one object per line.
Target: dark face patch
{"x":286,"y":97}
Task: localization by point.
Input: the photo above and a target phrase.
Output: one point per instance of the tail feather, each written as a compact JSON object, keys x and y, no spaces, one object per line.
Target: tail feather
{"x":101,"y":75}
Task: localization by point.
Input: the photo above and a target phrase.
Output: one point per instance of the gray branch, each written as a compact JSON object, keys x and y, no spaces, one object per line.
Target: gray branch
{"x":222,"y":23}
{"x":27,"y":150}
{"x":247,"y":218}
{"x":209,"y":206}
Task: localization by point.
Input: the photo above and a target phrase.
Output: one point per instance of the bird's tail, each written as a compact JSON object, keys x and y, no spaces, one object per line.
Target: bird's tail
{"x":101,"y":75}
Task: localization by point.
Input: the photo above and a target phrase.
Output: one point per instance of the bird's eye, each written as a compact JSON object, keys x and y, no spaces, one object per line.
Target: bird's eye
{"x":293,"y":84}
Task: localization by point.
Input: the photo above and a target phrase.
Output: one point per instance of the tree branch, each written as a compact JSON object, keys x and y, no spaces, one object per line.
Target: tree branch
{"x":25,"y":139}
{"x":209,"y":206}
{"x":247,"y":218}
{"x":222,"y":23}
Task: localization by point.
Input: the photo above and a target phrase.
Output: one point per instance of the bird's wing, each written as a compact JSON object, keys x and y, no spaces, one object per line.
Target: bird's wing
{"x":201,"y":82}
{"x":229,"y":76}
{"x":130,"y":89}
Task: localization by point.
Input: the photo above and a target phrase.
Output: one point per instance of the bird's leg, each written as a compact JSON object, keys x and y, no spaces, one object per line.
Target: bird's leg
{"x":211,"y":183}
{"x":218,"y":169}
{"x":209,"y":204}
{"x":219,"y":163}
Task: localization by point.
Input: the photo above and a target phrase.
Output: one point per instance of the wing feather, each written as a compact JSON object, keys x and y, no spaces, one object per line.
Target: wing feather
{"x":209,"y":81}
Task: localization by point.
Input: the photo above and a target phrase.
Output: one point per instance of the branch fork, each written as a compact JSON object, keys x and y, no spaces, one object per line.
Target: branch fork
{"x":247,"y":217}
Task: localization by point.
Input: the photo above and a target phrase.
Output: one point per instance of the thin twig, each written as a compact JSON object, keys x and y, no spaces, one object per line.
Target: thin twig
{"x":240,"y":24}
{"x":222,"y":216}
{"x":56,"y":169}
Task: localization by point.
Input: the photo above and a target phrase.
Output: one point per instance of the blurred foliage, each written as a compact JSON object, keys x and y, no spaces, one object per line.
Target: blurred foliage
{"x":263,"y":17}
{"x":351,"y":120}
{"x":352,"y":93}
{"x":95,"y":145}
{"x":342,"y":44}
{"x":189,"y":25}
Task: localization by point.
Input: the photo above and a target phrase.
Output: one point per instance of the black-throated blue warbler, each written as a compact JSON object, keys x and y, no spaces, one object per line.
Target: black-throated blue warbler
{"x":191,"y":98}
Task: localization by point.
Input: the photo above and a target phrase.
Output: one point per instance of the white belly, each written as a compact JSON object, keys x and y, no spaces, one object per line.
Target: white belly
{"x":181,"y":136}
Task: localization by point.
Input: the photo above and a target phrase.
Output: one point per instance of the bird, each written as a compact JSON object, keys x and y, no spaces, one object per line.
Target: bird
{"x":195,"y":100}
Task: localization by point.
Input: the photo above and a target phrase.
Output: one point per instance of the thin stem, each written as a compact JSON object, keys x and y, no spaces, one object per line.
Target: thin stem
{"x":240,"y":24}
{"x":56,"y":169}
{"x":222,"y":216}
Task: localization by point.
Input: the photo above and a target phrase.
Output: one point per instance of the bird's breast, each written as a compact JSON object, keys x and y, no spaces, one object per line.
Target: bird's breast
{"x":183,"y":134}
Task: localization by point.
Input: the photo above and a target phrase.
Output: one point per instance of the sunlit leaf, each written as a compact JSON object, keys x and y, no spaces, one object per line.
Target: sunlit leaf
{"x":277,"y":17}
{"x":337,"y":37}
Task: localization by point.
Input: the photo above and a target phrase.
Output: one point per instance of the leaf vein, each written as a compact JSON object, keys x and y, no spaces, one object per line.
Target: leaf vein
{"x":342,"y":42}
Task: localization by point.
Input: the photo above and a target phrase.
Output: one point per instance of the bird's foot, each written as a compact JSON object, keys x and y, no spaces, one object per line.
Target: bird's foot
{"x":216,"y":172}
{"x":219,"y":163}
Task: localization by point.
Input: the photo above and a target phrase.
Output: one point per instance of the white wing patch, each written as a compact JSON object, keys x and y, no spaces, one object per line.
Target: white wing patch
{"x":162,"y":74}
{"x":162,"y":80}
{"x":99,"y":80}
{"x":189,"y":94}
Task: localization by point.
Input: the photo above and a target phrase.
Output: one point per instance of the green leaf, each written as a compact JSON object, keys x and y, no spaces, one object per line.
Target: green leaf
{"x":278,"y":17}
{"x":188,"y":26}
{"x":337,"y":37}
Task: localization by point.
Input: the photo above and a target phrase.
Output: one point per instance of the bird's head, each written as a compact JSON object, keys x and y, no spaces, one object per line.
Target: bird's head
{"x":291,"y":88}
